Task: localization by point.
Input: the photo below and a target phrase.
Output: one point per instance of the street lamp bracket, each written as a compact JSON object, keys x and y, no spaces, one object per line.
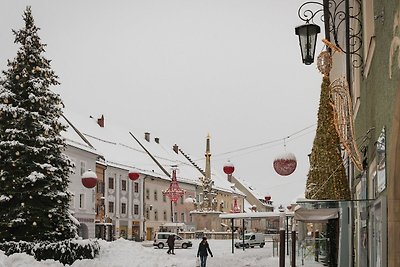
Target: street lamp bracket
{"x":342,"y":23}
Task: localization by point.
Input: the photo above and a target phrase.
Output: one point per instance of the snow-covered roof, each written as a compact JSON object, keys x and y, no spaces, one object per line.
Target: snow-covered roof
{"x":250,"y":188}
{"x":120,"y":149}
{"x":73,"y":138}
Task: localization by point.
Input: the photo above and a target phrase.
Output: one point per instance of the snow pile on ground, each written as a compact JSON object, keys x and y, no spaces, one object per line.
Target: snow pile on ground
{"x":124,"y":253}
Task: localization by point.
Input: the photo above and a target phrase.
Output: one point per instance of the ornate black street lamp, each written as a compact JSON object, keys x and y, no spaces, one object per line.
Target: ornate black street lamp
{"x":307,"y":39}
{"x":342,"y":29}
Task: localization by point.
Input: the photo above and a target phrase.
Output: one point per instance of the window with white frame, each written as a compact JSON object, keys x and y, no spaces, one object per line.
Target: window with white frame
{"x":147,"y":213}
{"x":83,"y":166}
{"x":156,"y":215}
{"x":136,"y":187}
{"x":123,"y":208}
{"x":165,"y":215}
{"x":110,"y":183}
{"x":123,"y":185}
{"x":155,"y":195}
{"x":136,"y":209}
{"x":111,"y":206}
{"x":100,"y":187}
{"x":147,"y":193}
{"x":183,"y":217}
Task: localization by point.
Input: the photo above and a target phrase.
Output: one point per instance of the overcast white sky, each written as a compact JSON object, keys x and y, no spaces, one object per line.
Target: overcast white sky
{"x":181,"y":69}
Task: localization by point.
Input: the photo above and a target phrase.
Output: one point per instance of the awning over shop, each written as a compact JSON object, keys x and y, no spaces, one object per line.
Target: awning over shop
{"x":255,"y":215}
{"x":172,"y":224}
{"x":315,"y":215}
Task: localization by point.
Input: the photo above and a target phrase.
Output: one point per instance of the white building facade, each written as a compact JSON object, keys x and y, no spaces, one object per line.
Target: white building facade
{"x":82,"y":204}
{"x":123,"y":198}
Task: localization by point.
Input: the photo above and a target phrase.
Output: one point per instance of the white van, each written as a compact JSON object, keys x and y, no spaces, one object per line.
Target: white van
{"x":251,"y":240}
{"x":160,"y":240}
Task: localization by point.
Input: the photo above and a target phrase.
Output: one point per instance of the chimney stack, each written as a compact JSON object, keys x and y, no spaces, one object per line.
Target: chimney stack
{"x":147,"y":136}
{"x":157,"y":140}
{"x":176,"y":148}
{"x":100,"y":121}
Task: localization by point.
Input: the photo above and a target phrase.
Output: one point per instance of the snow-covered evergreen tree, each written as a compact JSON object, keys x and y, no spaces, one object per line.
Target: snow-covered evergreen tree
{"x":34,"y":196}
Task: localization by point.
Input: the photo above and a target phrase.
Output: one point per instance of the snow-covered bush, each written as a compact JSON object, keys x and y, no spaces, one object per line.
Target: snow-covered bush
{"x":66,"y":251}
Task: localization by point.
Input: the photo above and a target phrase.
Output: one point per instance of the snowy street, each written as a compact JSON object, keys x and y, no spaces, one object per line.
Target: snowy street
{"x":123,"y":253}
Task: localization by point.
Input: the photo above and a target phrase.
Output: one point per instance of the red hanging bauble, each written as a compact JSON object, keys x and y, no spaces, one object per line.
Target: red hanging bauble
{"x":133,"y":175}
{"x":285,"y":164}
{"x":89,"y":179}
{"x":229,"y":168}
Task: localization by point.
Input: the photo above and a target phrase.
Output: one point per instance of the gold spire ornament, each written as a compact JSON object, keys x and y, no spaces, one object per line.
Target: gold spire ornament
{"x":326,"y":178}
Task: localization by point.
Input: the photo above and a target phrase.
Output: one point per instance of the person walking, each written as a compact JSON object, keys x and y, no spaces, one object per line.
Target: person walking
{"x":202,"y":252}
{"x":171,"y":244}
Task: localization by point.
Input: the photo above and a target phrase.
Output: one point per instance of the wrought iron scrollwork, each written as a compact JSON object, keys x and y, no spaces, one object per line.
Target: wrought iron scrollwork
{"x":338,"y":11}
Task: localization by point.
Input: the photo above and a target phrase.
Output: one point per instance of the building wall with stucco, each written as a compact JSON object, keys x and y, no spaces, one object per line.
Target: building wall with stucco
{"x":377,"y":112}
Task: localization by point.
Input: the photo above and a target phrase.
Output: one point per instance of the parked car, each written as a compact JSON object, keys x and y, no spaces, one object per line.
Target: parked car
{"x":251,"y":240}
{"x":160,"y":240}
{"x":271,"y":231}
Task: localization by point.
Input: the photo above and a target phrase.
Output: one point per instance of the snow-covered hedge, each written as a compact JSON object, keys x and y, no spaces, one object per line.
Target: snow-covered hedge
{"x":66,"y":251}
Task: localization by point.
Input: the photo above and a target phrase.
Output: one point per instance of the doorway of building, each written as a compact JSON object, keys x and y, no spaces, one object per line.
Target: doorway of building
{"x":83,"y":231}
{"x":149,"y":233}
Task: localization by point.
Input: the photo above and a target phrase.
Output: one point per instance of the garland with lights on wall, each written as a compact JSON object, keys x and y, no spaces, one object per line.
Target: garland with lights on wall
{"x":326,"y":178}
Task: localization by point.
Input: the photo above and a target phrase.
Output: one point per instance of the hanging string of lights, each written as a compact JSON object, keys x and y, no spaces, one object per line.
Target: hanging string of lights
{"x":263,"y":145}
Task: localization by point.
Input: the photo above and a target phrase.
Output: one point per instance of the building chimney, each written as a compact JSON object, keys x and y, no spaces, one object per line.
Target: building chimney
{"x":157,"y":140}
{"x":147,"y":136}
{"x":100,"y":121}
{"x":176,"y":148}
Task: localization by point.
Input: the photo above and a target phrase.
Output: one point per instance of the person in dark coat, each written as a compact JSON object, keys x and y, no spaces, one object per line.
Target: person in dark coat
{"x":171,"y":244}
{"x":202,"y":252}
